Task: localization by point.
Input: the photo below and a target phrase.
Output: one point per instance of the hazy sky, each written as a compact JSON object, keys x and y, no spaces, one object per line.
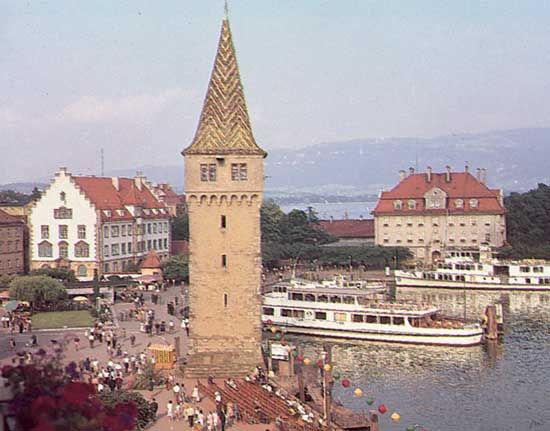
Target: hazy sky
{"x":130,"y":76}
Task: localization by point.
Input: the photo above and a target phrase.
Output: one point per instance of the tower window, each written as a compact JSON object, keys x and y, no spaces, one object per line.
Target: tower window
{"x":224,"y":260}
{"x":239,"y":172}
{"x":225,"y":299}
{"x":208,"y":172}
{"x":223,"y":222}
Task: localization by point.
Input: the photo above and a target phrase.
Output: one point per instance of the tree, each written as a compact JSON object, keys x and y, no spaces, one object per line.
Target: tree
{"x":180,"y":227}
{"x":271,"y":219}
{"x":37,"y":290}
{"x":528,"y":223}
{"x":5,"y":281}
{"x":57,"y":273}
{"x":176,"y":268}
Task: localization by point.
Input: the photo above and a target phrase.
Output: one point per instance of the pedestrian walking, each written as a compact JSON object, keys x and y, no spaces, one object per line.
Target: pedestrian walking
{"x":170,"y":410}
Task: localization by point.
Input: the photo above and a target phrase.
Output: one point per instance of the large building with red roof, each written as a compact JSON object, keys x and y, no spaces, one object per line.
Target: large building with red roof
{"x":431,"y":213}
{"x":97,"y":225}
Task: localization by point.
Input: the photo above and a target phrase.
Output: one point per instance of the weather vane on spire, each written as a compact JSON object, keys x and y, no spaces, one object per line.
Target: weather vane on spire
{"x":226,"y":9}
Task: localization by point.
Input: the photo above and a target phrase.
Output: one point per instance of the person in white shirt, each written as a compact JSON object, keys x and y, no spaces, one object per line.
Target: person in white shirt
{"x":170,"y":410}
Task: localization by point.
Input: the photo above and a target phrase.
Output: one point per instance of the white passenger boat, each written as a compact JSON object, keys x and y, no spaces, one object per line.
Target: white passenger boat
{"x":359,"y":313}
{"x":459,"y":272}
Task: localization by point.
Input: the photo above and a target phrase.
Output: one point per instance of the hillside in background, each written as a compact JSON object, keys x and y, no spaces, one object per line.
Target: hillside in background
{"x":516,"y":160}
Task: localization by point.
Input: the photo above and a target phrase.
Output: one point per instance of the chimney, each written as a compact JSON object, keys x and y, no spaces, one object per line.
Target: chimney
{"x":402,"y":175}
{"x":411,"y":171}
{"x":429,"y":174}
{"x":448,"y":174}
{"x":478,"y":174}
{"x":466,"y":168}
{"x":331,"y":219}
{"x":115,"y":182}
{"x":483,"y":176}
{"x":138,"y":180}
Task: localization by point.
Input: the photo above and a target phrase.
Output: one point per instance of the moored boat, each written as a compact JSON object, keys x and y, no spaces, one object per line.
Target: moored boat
{"x":359,"y":313}
{"x":458,"y":272}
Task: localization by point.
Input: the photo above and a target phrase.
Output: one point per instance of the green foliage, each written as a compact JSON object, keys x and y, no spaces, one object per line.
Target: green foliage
{"x":149,"y":378}
{"x":145,"y":415}
{"x":5,"y":281}
{"x":13,"y":197}
{"x":180,"y":227}
{"x":528,"y":223}
{"x":57,"y":273}
{"x":177,"y":267}
{"x":271,"y":220}
{"x":371,"y":257}
{"x":37,"y":290}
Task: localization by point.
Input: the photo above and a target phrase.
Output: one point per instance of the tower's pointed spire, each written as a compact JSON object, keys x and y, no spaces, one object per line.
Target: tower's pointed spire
{"x":224,"y":125}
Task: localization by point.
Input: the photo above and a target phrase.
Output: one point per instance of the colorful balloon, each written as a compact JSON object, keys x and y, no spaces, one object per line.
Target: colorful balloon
{"x":273,"y":329}
{"x":269,"y":322}
{"x":382,"y":408}
{"x":320,"y":363}
{"x":411,"y":428}
{"x":299,"y":357}
{"x":395,"y":417}
{"x":327,"y":368}
{"x":358,"y":392}
{"x":336,"y":375}
{"x":278,"y":336}
{"x":345,"y":383}
{"x":295,"y":353}
{"x":307,"y":361}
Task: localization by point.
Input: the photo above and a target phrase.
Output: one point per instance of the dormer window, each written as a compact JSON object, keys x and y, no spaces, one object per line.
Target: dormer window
{"x":411,"y":204}
{"x":459,"y":203}
{"x":473,"y":203}
{"x":398,"y":205}
{"x":62,"y":196}
{"x":107,"y":213}
{"x":120,"y":212}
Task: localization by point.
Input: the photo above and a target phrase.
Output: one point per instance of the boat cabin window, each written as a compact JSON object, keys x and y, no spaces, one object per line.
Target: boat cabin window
{"x":357,"y":318}
{"x":297,"y":296}
{"x":538,"y":269}
{"x":340,"y":317}
{"x":280,"y":289}
{"x":322,"y":298}
{"x":335,"y":299}
{"x":349,"y":300}
{"x":528,"y":280}
{"x":299,"y":314}
{"x":268,"y":311}
{"x":310,"y":297}
{"x":397,"y":320}
{"x":320,"y":315}
{"x":524,"y":269}
{"x":371,"y":319}
{"x":385,"y":320}
{"x":285,"y":312}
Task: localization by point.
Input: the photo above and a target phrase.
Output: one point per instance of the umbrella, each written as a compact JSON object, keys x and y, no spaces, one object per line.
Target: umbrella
{"x":11,"y":305}
{"x":80,"y":299}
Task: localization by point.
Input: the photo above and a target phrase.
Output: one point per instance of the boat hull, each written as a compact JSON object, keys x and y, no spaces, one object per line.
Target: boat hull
{"x":403,"y":281}
{"x":471,"y":338}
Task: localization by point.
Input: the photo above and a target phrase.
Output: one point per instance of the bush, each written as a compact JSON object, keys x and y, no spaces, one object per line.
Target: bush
{"x":145,"y":415}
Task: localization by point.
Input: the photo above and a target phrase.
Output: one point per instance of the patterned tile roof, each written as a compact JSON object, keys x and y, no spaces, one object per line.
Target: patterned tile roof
{"x":224,"y":125}
{"x":461,"y":186}
{"x":349,"y":228}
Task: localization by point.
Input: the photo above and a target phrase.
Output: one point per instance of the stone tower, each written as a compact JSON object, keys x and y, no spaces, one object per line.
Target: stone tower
{"x":224,"y":187}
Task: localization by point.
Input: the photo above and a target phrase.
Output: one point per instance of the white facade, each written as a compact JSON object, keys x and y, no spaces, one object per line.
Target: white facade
{"x":47,"y":227}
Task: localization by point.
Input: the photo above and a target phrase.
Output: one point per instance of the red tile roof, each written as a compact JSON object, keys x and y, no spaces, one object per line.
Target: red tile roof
{"x":349,"y":228}
{"x":180,"y":247}
{"x":151,"y":261}
{"x":103,"y":194}
{"x":462,"y":185}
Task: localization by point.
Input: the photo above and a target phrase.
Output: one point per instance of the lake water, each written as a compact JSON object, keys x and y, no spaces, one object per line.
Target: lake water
{"x":337,"y":210}
{"x":504,"y":386}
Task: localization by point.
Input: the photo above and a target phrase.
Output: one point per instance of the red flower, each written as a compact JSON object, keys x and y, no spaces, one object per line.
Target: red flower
{"x":7,"y":370}
{"x":77,"y":392}
{"x":43,"y":425}
{"x":42,"y":405}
